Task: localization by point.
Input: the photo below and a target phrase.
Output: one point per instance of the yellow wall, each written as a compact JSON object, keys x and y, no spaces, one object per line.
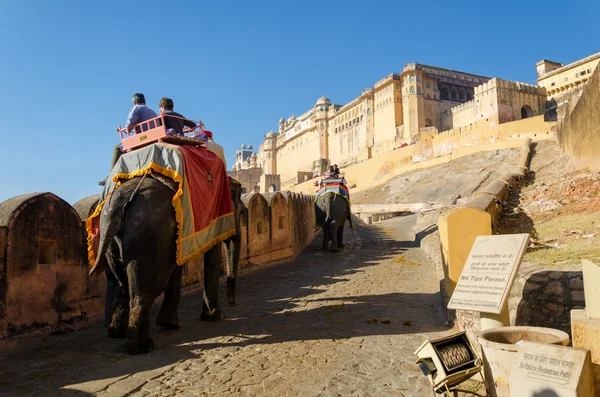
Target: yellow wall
{"x":439,"y":149}
{"x":387,"y":109}
{"x":569,"y":76}
{"x":347,"y":134}
{"x":579,"y":134}
{"x":296,"y":155}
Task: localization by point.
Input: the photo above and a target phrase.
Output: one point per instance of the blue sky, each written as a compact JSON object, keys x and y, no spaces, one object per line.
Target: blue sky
{"x":69,"y":68}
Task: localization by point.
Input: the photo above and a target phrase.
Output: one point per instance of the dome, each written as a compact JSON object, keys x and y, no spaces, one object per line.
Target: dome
{"x":292,"y":118}
{"x":253,"y":156}
{"x":270,"y":134}
{"x":323,"y":101}
{"x":243,"y":146}
{"x":250,"y":147}
{"x":281,"y":120}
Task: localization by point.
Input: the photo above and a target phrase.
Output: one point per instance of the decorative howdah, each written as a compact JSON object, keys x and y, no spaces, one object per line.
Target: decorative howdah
{"x":202,"y":201}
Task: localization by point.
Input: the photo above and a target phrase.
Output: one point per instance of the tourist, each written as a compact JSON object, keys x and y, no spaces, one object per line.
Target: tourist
{"x":138,"y":114}
{"x":172,"y":119}
{"x":336,"y":171}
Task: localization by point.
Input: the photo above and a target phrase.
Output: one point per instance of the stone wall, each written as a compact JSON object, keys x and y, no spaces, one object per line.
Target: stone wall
{"x":44,"y":282}
{"x":540,"y":297}
{"x":579,"y":133}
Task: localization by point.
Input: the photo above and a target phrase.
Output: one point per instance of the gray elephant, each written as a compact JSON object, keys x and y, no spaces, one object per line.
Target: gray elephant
{"x":138,"y":243}
{"x":332,"y":211}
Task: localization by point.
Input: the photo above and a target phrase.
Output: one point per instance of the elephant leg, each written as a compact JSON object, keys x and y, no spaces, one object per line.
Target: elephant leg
{"x":326,"y":236}
{"x":167,"y":316}
{"x":146,"y":280}
{"x":340,"y":236}
{"x":120,"y":314}
{"x":117,"y":294}
{"x":334,"y":236}
{"x":212,"y":267}
{"x":138,"y":332}
{"x":233,"y":261}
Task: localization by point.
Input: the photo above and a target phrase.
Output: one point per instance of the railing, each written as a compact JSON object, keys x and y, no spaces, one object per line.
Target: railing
{"x":154,"y":130}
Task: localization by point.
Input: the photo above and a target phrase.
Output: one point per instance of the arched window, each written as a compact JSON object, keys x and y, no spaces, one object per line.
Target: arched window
{"x":444,"y":93}
{"x":526,"y":112}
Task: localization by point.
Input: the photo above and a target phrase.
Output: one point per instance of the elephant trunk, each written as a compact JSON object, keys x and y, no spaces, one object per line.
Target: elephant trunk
{"x":111,"y":221}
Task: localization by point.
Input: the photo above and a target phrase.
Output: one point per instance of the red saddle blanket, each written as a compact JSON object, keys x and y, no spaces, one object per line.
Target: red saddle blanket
{"x":202,"y":203}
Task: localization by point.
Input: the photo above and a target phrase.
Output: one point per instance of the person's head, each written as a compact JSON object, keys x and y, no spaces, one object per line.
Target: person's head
{"x":330,"y":168}
{"x":335,"y":166}
{"x":166,"y":104}
{"x":139,"y":99}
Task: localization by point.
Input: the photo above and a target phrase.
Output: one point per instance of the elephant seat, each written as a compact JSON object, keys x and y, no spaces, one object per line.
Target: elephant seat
{"x":154,"y":130}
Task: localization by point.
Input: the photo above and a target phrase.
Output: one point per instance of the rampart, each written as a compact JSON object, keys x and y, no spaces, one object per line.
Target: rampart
{"x":579,"y":133}
{"x":44,"y":282}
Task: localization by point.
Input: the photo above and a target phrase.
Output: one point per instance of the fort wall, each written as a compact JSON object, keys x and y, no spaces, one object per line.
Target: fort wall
{"x":579,"y":132}
{"x":44,"y":282}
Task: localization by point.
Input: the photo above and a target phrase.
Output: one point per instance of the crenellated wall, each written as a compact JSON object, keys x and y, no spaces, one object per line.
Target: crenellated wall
{"x":44,"y":282}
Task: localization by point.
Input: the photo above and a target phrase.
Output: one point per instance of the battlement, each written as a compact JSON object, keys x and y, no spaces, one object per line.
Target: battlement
{"x":387,"y":79}
{"x":459,"y":108}
{"x":497,"y":83}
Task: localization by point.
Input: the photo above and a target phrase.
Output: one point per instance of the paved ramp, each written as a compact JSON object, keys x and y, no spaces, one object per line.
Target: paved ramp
{"x":325,"y":324}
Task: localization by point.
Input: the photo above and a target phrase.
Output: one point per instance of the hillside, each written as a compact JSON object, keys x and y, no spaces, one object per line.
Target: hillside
{"x":448,"y":184}
{"x":558,"y":205}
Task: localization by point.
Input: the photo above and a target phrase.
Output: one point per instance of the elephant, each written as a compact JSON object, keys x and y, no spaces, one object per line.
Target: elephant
{"x":332,"y":210}
{"x":138,"y":232}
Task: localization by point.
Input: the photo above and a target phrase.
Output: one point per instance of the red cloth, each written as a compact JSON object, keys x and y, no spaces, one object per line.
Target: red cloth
{"x":208,"y":185}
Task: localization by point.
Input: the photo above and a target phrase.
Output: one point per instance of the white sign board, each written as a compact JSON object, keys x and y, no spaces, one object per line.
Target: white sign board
{"x":489,"y":272}
{"x":558,"y":371}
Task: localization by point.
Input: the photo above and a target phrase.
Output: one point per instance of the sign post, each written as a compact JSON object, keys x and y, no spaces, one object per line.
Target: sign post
{"x":487,"y":277}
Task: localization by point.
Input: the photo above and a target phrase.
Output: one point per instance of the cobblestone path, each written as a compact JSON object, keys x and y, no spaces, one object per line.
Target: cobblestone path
{"x":325,"y":324}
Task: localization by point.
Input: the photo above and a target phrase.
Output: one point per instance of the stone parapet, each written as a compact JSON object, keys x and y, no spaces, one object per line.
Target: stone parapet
{"x":44,"y":282}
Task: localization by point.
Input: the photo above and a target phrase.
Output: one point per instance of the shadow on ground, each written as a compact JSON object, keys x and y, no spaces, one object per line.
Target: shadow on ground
{"x":274,"y":306}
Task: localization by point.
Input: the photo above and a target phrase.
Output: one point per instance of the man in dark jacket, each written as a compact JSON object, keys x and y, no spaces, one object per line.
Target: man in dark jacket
{"x":172,"y":119}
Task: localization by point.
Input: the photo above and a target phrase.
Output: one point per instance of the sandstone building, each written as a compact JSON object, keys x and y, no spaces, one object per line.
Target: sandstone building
{"x":396,"y":110}
{"x":249,"y":173}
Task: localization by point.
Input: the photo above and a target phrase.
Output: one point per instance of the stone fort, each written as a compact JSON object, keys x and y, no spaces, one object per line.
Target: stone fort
{"x":394,"y":113}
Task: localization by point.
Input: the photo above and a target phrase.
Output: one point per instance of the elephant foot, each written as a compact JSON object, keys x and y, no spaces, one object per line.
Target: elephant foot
{"x":335,"y":249}
{"x":134,"y":347}
{"x":231,"y":291}
{"x":118,"y":326}
{"x":215,"y":315}
{"x":172,"y":323}
{"x":116,"y":332}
